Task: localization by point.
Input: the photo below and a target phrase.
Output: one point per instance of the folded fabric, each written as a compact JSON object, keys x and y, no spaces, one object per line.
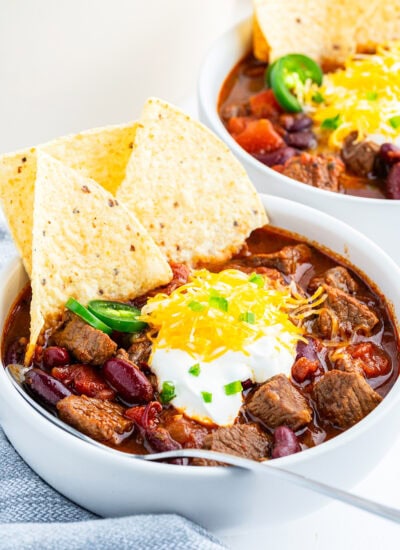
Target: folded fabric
{"x":159,"y":532}
{"x":33,"y":516}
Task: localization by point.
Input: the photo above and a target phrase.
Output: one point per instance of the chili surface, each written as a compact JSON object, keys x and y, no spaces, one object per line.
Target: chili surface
{"x":288,"y":142}
{"x":153,"y":425}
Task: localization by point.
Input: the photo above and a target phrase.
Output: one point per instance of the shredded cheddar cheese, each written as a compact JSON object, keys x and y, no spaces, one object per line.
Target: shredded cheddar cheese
{"x":218,"y":312}
{"x":363,"y":97}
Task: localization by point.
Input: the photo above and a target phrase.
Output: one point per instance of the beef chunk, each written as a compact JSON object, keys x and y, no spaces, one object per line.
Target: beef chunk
{"x":278,"y":403}
{"x":337,"y":277}
{"x":286,"y":260}
{"x":344,"y":398}
{"x":345,"y":311}
{"x":87,"y":344}
{"x":359,"y":156}
{"x":246,"y":440}
{"x":140,"y":349}
{"x":102,"y":420}
{"x":347,"y":363}
{"x":321,"y":171}
{"x":234,"y":110}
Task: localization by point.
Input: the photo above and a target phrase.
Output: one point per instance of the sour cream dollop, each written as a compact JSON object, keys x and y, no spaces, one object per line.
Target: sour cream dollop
{"x":213,"y":333}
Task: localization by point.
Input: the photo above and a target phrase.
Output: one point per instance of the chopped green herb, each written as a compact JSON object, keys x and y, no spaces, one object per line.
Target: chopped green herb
{"x":395,"y":121}
{"x":214,"y":292}
{"x":195,"y":306}
{"x":331,"y":123}
{"x":168,"y":392}
{"x":371,"y":96}
{"x":194,"y":369}
{"x":318,"y":97}
{"x":257,"y":280}
{"x":233,"y":388}
{"x":207,"y":396}
{"x":248,"y":317}
{"x":218,"y":302}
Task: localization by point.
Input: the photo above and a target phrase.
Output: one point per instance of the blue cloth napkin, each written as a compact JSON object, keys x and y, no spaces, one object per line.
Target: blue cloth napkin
{"x":33,"y":516}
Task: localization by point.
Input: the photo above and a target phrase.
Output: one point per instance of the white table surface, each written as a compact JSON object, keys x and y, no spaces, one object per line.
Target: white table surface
{"x":72,"y":64}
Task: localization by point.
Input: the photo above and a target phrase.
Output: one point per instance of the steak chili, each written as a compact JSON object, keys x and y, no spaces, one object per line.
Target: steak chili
{"x":347,"y":362}
{"x":287,"y":141}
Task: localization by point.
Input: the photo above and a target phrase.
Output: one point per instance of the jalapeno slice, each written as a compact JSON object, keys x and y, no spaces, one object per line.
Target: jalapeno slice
{"x":119,"y":316}
{"x":287,"y":72}
{"x":82,"y":312}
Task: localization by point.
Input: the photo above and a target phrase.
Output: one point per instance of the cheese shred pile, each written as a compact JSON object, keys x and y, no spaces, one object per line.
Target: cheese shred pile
{"x":219,"y":312}
{"x":363,"y":97}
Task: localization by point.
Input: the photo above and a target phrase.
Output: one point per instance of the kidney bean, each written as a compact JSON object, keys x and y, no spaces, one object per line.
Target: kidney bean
{"x":16,"y":352}
{"x":295,"y":123}
{"x":159,"y":440}
{"x":307,"y":349}
{"x":55,"y":356}
{"x":247,"y":384}
{"x":45,"y":387}
{"x":127,"y":380}
{"x":301,"y":140}
{"x":285,"y":442}
{"x":393,"y":182}
{"x":389,"y":153}
{"x":279,"y":156}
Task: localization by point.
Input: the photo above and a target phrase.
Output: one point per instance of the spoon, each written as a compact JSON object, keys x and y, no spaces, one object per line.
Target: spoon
{"x":376,"y":508}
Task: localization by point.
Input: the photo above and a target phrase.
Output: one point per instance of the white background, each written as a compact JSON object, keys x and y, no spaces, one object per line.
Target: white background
{"x":67,"y":65}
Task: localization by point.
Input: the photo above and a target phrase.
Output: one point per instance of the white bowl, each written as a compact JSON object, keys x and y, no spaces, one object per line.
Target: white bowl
{"x":111,"y":483}
{"x":378,"y":219}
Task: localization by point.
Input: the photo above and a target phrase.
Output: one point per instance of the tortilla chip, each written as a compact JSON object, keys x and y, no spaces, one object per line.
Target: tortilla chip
{"x":187,"y":188}
{"x":85,"y":245}
{"x":377,"y":22}
{"x":323,"y":30}
{"x":261,"y":48}
{"x":289,"y":26}
{"x":101,"y":154}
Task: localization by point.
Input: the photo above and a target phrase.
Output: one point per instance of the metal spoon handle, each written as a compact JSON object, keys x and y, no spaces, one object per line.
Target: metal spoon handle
{"x":371,"y":506}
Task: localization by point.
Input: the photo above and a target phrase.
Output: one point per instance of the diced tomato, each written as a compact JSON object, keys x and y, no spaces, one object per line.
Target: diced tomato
{"x":84,"y":379}
{"x":145,"y":416}
{"x":304,"y":369}
{"x":264,"y":105}
{"x":180,"y":276}
{"x":259,"y":136}
{"x":237,"y":124}
{"x":373,"y":360}
{"x":185,"y":431}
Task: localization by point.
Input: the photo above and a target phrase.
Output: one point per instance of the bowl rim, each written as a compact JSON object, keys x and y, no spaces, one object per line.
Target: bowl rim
{"x":388,"y":403}
{"x":209,"y":106}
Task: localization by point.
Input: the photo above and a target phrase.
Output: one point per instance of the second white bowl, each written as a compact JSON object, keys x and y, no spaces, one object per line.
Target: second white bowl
{"x":378,"y":219}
